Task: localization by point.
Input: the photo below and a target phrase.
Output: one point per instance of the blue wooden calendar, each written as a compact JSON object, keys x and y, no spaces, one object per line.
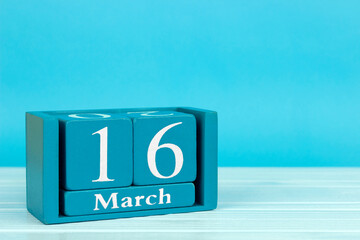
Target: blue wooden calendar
{"x":115,"y":163}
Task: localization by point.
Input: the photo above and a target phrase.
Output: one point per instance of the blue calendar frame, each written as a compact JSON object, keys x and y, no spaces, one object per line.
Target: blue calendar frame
{"x":42,"y":166}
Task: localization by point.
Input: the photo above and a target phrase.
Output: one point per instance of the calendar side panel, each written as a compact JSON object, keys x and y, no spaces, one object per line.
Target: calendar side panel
{"x":42,"y":166}
{"x":206,"y":183}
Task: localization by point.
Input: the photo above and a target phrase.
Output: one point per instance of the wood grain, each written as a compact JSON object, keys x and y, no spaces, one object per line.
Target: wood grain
{"x":254,"y":203}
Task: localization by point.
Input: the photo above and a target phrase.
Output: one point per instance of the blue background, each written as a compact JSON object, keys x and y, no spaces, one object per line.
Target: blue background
{"x":283,"y":75}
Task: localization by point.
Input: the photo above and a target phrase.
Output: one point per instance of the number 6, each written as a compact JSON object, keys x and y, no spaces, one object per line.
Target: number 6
{"x":154,"y":146}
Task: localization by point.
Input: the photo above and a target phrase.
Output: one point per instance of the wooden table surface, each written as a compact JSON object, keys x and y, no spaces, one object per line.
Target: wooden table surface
{"x":254,"y":203}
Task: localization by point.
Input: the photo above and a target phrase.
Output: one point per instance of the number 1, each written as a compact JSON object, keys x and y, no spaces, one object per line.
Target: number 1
{"x":103,"y":155}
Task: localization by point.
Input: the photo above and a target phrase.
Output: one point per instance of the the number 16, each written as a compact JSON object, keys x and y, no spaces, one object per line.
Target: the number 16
{"x":151,"y":154}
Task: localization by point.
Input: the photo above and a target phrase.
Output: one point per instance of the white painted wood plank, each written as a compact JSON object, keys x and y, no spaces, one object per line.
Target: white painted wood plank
{"x":254,"y":203}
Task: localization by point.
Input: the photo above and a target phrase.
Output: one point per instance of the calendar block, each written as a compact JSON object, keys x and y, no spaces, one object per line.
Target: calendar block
{"x":113,"y":163}
{"x":127,"y":199}
{"x":89,"y":143}
{"x":164,"y":147}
